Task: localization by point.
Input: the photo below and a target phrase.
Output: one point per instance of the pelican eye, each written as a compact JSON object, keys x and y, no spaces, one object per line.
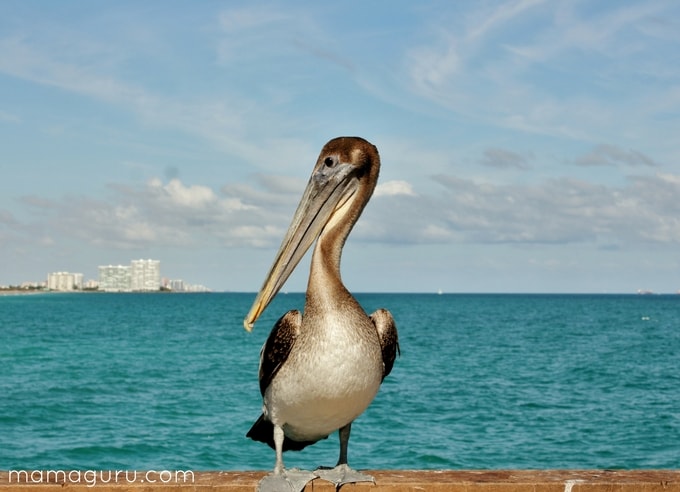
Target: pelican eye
{"x":329,"y":162}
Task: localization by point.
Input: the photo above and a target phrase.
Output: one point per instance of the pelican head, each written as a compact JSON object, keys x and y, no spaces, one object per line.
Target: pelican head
{"x":341,"y":184}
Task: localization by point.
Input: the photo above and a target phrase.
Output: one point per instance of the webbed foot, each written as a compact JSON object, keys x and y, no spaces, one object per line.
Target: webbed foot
{"x":341,"y":475}
{"x":292,"y":480}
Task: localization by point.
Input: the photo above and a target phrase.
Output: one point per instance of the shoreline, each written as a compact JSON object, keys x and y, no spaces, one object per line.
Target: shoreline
{"x":24,"y":292}
{"x":28,"y":292}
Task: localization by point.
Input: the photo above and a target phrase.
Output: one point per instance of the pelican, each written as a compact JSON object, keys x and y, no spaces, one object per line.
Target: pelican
{"x":320,"y":370}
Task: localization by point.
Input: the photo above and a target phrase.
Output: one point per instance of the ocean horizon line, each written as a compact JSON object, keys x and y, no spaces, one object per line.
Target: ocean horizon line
{"x":355,"y":292}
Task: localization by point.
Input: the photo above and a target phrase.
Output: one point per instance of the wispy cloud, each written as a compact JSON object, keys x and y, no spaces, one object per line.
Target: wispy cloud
{"x":610,"y":155}
{"x":503,"y":159}
{"x":241,"y":26}
{"x":562,"y":70}
{"x":8,"y":117}
{"x":227,"y":119}
{"x":20,"y":59}
{"x":498,"y":16}
{"x":8,"y":225}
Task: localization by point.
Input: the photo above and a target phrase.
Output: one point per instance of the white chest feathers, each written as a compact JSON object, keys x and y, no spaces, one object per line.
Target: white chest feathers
{"x":329,"y":379}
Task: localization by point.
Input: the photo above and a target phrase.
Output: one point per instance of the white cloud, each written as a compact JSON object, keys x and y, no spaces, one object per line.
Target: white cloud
{"x":554,"y":211}
{"x":165,"y":214}
{"x":393,"y":188}
{"x":194,"y":196}
{"x":642,"y":213}
{"x":672,"y":179}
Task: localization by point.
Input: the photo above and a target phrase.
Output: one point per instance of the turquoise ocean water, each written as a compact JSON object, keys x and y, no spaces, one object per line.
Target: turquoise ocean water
{"x":162,"y":381}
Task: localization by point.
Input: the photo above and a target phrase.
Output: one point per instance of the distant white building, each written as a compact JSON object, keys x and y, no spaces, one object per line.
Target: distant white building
{"x":114,"y":278}
{"x":176,"y":285}
{"x":139,"y":276}
{"x":145,"y":275}
{"x":92,"y":284}
{"x":64,"y":281}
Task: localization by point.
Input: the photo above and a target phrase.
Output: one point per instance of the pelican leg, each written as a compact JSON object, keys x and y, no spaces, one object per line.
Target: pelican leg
{"x":342,"y":473}
{"x":282,"y":480}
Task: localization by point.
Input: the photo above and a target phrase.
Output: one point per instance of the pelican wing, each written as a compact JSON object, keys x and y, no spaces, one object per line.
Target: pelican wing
{"x":278,"y":345}
{"x":389,"y":340}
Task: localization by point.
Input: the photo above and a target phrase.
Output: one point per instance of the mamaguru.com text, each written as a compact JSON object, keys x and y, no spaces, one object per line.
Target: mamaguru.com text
{"x":93,"y":477}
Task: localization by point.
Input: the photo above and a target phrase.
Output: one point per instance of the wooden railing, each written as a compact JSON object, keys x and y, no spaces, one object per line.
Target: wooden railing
{"x":392,"y":481}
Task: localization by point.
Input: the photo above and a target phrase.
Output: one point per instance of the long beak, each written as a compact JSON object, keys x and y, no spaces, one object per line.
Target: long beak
{"x":328,"y":189}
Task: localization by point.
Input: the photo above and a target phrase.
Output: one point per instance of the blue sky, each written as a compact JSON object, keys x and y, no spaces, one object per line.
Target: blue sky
{"x":527,"y":146}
